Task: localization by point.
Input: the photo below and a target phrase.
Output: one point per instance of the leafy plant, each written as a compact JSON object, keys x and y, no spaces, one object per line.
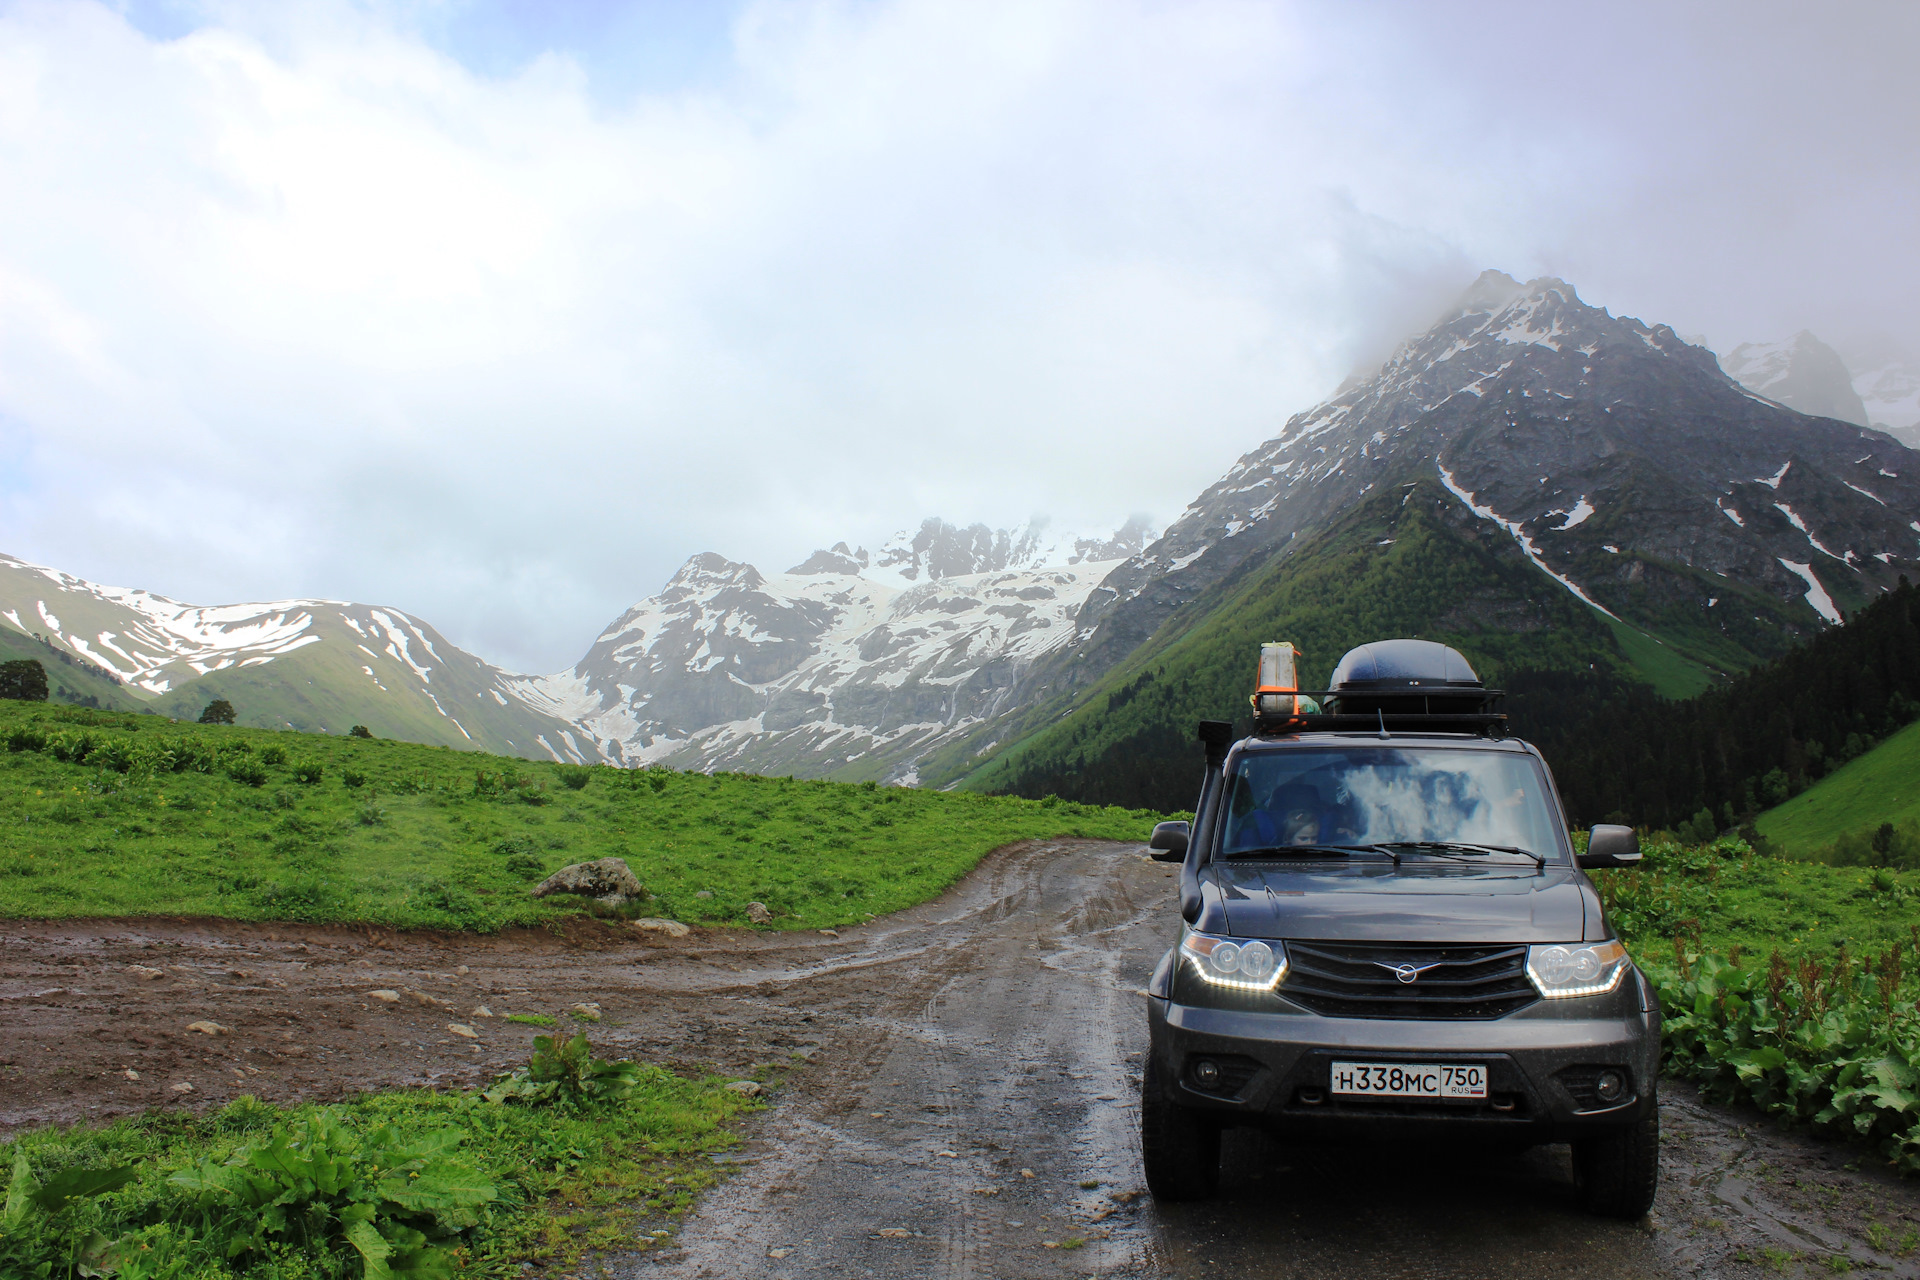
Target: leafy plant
{"x":393,"y":1200}
{"x":32,"y":1238}
{"x":308,"y":772}
{"x":247,"y":771}
{"x":575,"y":777}
{"x":564,"y":1072}
{"x":353,"y":778}
{"x":273,"y":755}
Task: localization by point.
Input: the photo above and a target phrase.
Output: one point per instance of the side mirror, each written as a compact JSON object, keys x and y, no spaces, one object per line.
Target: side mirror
{"x":1169,"y":842}
{"x":1612,"y":846}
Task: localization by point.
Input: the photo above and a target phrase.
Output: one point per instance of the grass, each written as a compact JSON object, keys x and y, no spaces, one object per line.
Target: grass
{"x":1671,"y":673}
{"x":545,"y":1184}
{"x":124,"y":815}
{"x":1863,"y":793}
{"x":1725,"y":897}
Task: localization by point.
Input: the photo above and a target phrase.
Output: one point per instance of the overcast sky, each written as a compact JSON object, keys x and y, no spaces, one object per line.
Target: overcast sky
{"x":497,"y":311}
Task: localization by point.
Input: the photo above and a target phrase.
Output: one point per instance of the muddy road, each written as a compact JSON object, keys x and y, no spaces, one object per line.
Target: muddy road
{"x":962,"y":1101}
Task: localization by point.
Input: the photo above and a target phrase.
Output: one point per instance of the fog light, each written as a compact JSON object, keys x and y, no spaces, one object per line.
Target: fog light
{"x":1207,"y":1073}
{"x":1610,"y":1086}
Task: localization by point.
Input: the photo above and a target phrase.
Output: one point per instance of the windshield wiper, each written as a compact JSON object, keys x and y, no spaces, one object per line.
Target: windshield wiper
{"x":1445,"y":848}
{"x":1307,"y":851}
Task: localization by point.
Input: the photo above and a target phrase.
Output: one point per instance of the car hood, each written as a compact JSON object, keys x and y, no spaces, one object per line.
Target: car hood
{"x":1418,"y":901}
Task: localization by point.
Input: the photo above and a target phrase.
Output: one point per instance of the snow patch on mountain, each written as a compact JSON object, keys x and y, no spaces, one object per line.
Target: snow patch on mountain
{"x":851,"y":658}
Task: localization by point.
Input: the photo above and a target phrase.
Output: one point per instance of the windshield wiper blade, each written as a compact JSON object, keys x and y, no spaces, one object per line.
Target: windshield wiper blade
{"x":1442,"y":848}
{"x":1296,"y":851}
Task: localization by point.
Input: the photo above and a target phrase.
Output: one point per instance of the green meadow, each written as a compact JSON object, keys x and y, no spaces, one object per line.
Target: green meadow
{"x":111,"y":814}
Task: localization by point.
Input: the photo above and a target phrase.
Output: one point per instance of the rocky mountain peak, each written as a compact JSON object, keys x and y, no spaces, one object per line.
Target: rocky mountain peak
{"x":1800,"y":372}
{"x":1612,"y":452}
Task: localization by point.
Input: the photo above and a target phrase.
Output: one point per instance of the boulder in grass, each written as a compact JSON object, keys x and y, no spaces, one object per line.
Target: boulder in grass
{"x":608,"y":879}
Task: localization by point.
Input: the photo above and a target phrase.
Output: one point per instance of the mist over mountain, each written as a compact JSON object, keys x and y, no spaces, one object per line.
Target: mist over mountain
{"x":1697,"y":527}
{"x":1539,"y":481}
{"x":1802,"y":373}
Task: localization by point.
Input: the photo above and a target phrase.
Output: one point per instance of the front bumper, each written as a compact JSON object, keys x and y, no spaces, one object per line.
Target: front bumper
{"x":1273,"y":1066}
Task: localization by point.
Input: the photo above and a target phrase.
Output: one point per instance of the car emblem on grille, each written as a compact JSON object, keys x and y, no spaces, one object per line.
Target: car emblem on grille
{"x":1407,"y":972}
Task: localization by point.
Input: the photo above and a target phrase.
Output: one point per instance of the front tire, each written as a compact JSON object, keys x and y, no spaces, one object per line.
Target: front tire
{"x":1179,"y":1146}
{"x":1618,"y":1174}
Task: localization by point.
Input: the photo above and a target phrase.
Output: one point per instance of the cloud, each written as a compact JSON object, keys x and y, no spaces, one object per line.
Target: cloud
{"x":298,"y":302}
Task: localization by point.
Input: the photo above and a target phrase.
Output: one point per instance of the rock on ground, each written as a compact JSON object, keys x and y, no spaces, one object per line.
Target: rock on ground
{"x":603,"y":878}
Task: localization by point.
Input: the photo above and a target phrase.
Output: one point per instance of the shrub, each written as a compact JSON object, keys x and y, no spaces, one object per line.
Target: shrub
{"x":247,"y":771}
{"x":527,"y":866}
{"x":26,"y":737}
{"x":308,"y":772}
{"x":575,"y":777}
{"x":437,"y":895}
{"x":508,"y":846}
{"x":273,"y":755}
{"x":219,"y":711}
{"x":370,"y":815}
{"x":360,"y":731}
{"x":114,"y":753}
{"x":309,"y":899}
{"x":71,"y":748}
{"x":353,"y":777}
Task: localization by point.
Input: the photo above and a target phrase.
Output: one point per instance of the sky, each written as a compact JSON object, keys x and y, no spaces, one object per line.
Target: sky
{"x":496,"y":311}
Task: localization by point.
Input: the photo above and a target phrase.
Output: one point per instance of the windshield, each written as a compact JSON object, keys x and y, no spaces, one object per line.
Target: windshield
{"x":1380,"y":795}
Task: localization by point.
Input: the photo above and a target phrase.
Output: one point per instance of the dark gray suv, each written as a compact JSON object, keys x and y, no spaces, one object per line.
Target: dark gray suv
{"x":1386,"y":933}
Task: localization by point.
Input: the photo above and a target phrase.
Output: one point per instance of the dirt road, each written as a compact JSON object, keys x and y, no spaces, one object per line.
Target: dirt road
{"x":968,"y":1111}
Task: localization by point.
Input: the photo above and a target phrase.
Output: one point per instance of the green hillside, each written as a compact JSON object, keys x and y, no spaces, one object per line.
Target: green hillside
{"x":323,"y":688}
{"x":69,"y":680}
{"x":1408,"y":562}
{"x":1882,"y":786}
{"x":105,"y":814}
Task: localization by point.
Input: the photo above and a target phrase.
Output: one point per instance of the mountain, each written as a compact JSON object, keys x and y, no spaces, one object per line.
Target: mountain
{"x":850,"y":664}
{"x":1802,"y":373}
{"x":1889,"y":388}
{"x":317,"y":665}
{"x":1696,"y":527}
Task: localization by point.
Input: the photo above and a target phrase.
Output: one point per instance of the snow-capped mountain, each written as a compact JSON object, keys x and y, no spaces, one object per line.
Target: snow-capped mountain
{"x":1802,"y":373}
{"x":1622,"y":462}
{"x":1889,"y":388}
{"x":321,"y":665}
{"x":849,"y":661}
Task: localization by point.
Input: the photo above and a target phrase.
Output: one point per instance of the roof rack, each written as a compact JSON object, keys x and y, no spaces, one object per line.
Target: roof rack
{"x":1406,"y":686}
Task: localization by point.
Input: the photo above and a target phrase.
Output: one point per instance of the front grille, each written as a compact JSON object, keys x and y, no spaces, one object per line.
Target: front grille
{"x":1343,"y":980}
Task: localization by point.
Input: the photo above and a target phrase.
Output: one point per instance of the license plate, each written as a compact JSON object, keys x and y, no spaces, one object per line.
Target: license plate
{"x":1410,"y":1079}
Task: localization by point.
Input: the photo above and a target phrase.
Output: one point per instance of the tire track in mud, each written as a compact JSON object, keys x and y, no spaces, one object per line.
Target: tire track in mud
{"x":1000,"y":1022}
{"x":1023,"y":1027}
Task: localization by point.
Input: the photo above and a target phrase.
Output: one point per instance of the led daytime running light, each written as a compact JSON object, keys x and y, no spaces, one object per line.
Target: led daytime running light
{"x":1559,"y":972}
{"x":1253,"y":965}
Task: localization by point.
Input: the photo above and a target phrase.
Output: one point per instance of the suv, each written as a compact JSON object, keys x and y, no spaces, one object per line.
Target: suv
{"x":1386,"y":933}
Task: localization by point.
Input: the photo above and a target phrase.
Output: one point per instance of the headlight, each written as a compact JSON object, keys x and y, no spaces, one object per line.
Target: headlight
{"x":1576,"y":969}
{"x":1252,"y":965}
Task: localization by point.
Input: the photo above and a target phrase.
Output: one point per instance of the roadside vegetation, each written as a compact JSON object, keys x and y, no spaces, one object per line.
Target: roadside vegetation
{"x":571,"y":1155}
{"x":1788,"y":985}
{"x":109,"y":814}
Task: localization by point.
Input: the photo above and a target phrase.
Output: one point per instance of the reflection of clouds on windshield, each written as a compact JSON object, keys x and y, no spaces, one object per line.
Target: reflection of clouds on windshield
{"x":1479,"y":801}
